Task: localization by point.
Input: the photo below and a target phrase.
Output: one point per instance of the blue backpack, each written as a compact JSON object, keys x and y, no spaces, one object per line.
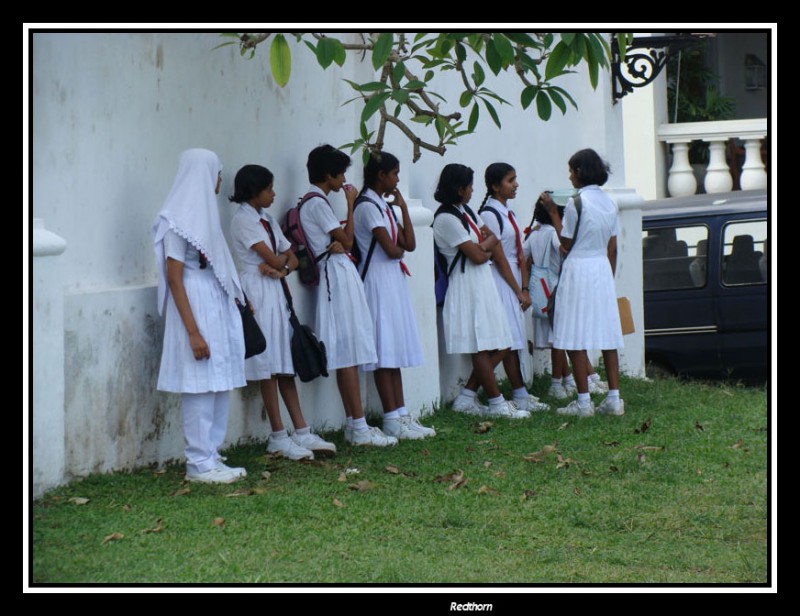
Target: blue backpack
{"x":441,"y":268}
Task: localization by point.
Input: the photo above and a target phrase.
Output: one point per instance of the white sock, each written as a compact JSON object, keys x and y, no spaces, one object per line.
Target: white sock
{"x":279,"y":434}
{"x":594,"y":377}
{"x":569,"y":381}
{"x":302,"y":431}
{"x":496,"y":401}
{"x":403,"y":411}
{"x":584,"y":399}
{"x":468,"y":393}
{"x":391,"y":415}
{"x":349,"y":422}
{"x":613,"y":394}
{"x":520,"y":393}
{"x":555,"y":382}
{"x":360,"y":425}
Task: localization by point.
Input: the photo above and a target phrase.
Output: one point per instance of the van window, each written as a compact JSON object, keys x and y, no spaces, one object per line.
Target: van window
{"x":744,"y":253}
{"x":675,"y":257}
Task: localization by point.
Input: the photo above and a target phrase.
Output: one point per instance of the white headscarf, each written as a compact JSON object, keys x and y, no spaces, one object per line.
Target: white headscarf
{"x":191,"y":211}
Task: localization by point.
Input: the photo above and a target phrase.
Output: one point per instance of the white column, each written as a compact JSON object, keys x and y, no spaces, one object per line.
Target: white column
{"x":48,"y":360}
{"x":681,"y":182}
{"x":718,"y":176}
{"x":753,"y":173}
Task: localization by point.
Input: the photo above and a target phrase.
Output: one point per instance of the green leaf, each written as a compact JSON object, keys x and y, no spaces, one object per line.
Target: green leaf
{"x":373,"y":104}
{"x":280,"y":60}
{"x":521,"y":38}
{"x":543,"y":106}
{"x":353,"y":84}
{"x":414,"y":84}
{"x":419,"y":35}
{"x":567,"y":37}
{"x":325,"y":52}
{"x":311,"y":46}
{"x":493,"y":58}
{"x":478,"y":75}
{"x":476,"y":41}
{"x":527,"y":96}
{"x":565,"y":94}
{"x":429,"y":75}
{"x":598,"y":53}
{"x":490,"y":108}
{"x":557,"y":61}
{"x":339,"y":53}
{"x":422,"y":118}
{"x":372,"y":86}
{"x":398,"y":72}
{"x":397,"y":110}
{"x":400,"y":95}
{"x":622,"y":45}
{"x":504,"y":48}
{"x":461,"y":52}
{"x":473,"y":117}
{"x":547,"y":40}
{"x":466,"y":98}
{"x":494,"y":95}
{"x":578,"y":49}
{"x":230,"y":35}
{"x":382,"y":49}
{"x":439,"y":124}
{"x":593,"y":73}
{"x":558,"y":100}
{"x":225,"y":44}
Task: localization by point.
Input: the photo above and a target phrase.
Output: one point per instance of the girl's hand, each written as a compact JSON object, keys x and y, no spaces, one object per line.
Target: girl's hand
{"x":397,"y":198}
{"x":199,"y":346}
{"x":524,"y":300}
{"x":350,"y":193}
{"x":547,"y":201}
{"x":335,"y":247}
{"x":267,"y":270}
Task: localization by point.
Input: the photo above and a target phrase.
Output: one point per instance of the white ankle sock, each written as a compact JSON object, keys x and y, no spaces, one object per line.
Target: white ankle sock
{"x":520,"y":393}
{"x":584,"y":399}
{"x":360,"y":425}
{"x":391,"y":415}
{"x":497,"y":400}
{"x":279,"y":434}
{"x":613,"y":394}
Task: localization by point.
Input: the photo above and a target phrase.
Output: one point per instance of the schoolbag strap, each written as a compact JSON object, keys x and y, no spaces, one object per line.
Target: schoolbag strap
{"x":374,"y":241}
{"x":578,"y":209}
{"x":489,"y":208}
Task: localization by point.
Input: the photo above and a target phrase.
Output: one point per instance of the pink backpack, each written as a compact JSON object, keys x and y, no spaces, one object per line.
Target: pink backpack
{"x":307,"y":269}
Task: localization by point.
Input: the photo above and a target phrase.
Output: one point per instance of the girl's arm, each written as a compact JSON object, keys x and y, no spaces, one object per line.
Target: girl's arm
{"x":344,"y":236}
{"x":384,"y":239}
{"x":555,"y":218}
{"x":501,"y":262}
{"x":612,"y":253}
{"x":405,"y":234}
{"x":199,"y":346}
{"x":277,"y":272}
{"x":475,"y":252}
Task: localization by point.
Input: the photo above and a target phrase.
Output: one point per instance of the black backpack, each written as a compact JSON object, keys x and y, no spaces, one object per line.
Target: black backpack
{"x":441,"y":268}
{"x":356,"y":251}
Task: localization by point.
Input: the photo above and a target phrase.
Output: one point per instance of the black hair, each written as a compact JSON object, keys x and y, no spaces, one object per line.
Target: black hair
{"x":377,"y":162}
{"x":326,"y":160}
{"x":249,"y":181}
{"x":494,"y":175}
{"x":454,"y":177}
{"x":541,"y":215}
{"x":589,"y":168}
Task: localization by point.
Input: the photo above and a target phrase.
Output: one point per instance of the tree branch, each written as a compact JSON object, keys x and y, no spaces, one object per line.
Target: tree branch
{"x":418,"y":143}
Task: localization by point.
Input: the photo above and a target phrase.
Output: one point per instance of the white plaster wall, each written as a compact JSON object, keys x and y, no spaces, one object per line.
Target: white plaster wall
{"x":111,"y":114}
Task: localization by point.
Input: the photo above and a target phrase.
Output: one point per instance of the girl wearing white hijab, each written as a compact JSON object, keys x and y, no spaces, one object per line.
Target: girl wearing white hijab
{"x":203,"y":353}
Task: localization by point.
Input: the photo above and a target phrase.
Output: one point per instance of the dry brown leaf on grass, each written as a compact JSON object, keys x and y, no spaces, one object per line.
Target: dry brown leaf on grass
{"x":649,"y":447}
{"x":484,"y":489}
{"x":156,"y":529}
{"x":342,"y":477}
{"x":391,"y":469}
{"x":78,"y":500}
{"x":736,"y":445}
{"x":698,"y":425}
{"x":241,"y":492}
{"x":483,"y":427}
{"x":499,"y":473}
{"x":563,"y":426}
{"x":160,"y":471}
{"x":219,"y":522}
{"x":456,"y":479}
{"x":457,"y":484}
{"x":611,"y":444}
{"x":487,"y":464}
{"x":563,"y":462}
{"x":424,"y":452}
{"x":338,"y":503}
{"x":363,"y":486}
{"x":112,"y":537}
{"x":613,"y":469}
{"x":180,"y":492}
{"x":644,"y":427}
{"x":642,"y":458}
{"x":526,"y":494}
{"x":126,"y":507}
{"x":266,"y":475}
{"x":541,"y":455}
{"x":577,"y":491}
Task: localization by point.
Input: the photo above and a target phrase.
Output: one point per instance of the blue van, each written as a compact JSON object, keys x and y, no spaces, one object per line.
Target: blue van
{"x":705,"y":264}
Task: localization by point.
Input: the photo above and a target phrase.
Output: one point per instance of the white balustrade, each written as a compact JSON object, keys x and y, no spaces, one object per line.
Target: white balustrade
{"x":681,"y":180}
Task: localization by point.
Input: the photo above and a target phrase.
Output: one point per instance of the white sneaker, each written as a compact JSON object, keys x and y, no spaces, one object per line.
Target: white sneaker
{"x":470,"y":406}
{"x":530,"y":403}
{"x":314,"y":443}
{"x":401,"y":430}
{"x":506,"y":408}
{"x":215,"y":475}
{"x":573,"y":408}
{"x":370,"y":436}
{"x":611,"y":407}
{"x":414,"y":424}
{"x":598,"y":387}
{"x":571,"y":389}
{"x":288,"y":449}
{"x":558,"y":392}
{"x":236,"y":470}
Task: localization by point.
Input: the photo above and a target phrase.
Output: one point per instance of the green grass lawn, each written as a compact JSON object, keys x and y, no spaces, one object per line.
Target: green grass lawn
{"x":675,"y":491}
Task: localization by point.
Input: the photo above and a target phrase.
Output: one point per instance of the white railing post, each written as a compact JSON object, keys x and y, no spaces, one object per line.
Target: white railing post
{"x":49,"y":448}
{"x":681,"y":182}
{"x":718,"y":176}
{"x":754,"y":175}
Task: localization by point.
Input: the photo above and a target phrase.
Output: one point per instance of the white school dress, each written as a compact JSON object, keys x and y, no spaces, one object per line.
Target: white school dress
{"x":395,"y":326}
{"x":343,"y":320}
{"x":218,"y":320}
{"x":586,"y":314}
{"x":542,"y":238}
{"x":508,"y":238}
{"x":472,"y":305}
{"x":265,"y":293}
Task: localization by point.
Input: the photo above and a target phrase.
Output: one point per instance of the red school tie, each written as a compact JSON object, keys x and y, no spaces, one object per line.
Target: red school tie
{"x":511,"y":217}
{"x":390,"y":215}
{"x":269,"y":233}
{"x":472,"y":224}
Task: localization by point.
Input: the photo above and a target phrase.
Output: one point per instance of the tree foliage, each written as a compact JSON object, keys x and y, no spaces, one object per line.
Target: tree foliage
{"x":402,"y":95}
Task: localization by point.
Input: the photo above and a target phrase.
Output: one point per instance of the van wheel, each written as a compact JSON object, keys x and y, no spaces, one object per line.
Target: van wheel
{"x":658,"y":370}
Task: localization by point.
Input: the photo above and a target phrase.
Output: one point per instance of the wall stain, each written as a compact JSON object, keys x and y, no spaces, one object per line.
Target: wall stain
{"x":160,"y":57}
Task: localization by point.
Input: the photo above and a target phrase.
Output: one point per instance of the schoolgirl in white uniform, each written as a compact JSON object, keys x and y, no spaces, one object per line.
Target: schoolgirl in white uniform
{"x":382,"y":242}
{"x":343,"y":320}
{"x":510,"y":273}
{"x":586,"y":313}
{"x":472,"y":304}
{"x":265,"y":258}
{"x":203,"y":352}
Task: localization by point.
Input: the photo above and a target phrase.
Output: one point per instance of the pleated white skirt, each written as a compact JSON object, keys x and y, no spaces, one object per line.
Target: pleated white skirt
{"x":511,"y":306}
